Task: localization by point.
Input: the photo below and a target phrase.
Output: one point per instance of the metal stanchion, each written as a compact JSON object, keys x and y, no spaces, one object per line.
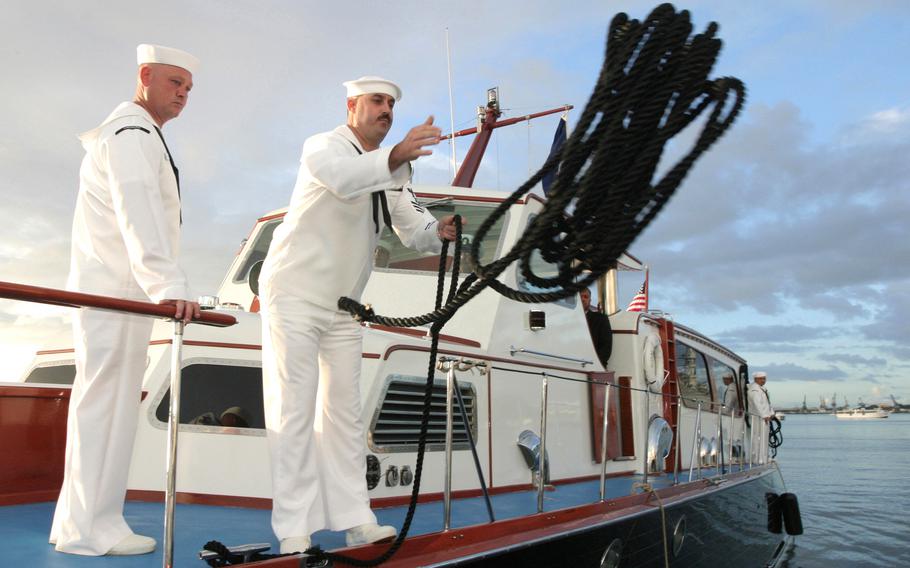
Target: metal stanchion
{"x":742,"y":452}
{"x":751,"y":438}
{"x":719,"y":449}
{"x":603,"y":444}
{"x":698,"y":434}
{"x":542,"y":468}
{"x":447,"y":494}
{"x":677,"y":459}
{"x":762,"y":444}
{"x":644,"y":436}
{"x":173,"y":426}
{"x":732,"y":426}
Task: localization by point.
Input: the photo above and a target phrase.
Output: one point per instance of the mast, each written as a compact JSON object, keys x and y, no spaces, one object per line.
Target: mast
{"x":487,"y":121}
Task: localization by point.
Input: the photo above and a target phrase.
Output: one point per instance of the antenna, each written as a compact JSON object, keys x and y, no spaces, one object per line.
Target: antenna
{"x":451,"y":106}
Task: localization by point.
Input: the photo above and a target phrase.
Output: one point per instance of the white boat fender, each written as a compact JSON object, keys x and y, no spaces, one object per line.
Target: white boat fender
{"x":653,"y":363}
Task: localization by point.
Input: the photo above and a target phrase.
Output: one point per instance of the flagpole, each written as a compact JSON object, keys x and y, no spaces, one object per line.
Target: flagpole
{"x":647,"y":284}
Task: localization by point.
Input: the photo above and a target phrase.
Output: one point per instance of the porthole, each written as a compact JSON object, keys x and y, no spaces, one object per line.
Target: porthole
{"x":612,"y":555}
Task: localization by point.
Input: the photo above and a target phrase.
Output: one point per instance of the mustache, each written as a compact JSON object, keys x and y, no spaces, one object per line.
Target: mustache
{"x":386,"y":116}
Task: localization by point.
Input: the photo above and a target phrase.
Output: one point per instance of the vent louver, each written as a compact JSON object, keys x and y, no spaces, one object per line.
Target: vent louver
{"x":396,"y":422}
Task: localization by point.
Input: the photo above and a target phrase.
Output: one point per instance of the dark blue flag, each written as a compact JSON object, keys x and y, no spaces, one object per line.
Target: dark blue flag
{"x":558,"y":140}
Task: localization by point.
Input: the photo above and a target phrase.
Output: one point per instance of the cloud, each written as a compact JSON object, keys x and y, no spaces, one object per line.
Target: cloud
{"x":854,"y":360}
{"x":794,"y":372}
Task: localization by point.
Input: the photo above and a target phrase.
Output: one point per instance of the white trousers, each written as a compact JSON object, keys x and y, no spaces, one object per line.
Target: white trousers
{"x":311,"y":360}
{"x":111,"y":351}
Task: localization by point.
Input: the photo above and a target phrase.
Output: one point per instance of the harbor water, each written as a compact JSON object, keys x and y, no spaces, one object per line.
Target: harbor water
{"x":852,"y":478}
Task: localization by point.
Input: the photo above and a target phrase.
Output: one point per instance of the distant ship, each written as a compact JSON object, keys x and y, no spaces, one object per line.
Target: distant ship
{"x":860,"y":413}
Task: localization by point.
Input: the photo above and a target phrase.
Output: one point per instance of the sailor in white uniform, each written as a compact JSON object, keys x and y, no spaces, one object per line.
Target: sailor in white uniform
{"x":125,"y":242}
{"x":731,"y":401}
{"x":347,"y":189}
{"x":761,"y":410}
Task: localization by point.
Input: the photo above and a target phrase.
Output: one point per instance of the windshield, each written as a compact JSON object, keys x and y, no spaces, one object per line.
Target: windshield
{"x":390,"y":254}
{"x":257,"y":250}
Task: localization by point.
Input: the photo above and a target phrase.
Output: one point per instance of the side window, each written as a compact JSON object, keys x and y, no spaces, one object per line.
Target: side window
{"x":257,"y":250}
{"x":725,"y":386}
{"x":692,"y":371}
{"x":218,"y":395}
{"x":53,"y":374}
{"x":544,"y":269}
{"x":391,"y":254}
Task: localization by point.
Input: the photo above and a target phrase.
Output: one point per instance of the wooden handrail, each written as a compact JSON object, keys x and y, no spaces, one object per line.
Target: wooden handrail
{"x":57,"y":297}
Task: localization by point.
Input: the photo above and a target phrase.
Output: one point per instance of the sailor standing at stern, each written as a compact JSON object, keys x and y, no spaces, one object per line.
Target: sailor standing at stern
{"x":760,"y":407}
{"x":126,"y":238}
{"x":347,"y":189}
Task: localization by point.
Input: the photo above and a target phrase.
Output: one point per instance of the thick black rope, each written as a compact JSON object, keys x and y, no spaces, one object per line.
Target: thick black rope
{"x":653,"y":84}
{"x":226,"y":558}
{"x":775,"y":435}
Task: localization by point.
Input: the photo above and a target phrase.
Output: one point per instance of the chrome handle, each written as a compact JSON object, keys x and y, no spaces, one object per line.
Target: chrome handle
{"x":513,"y":350}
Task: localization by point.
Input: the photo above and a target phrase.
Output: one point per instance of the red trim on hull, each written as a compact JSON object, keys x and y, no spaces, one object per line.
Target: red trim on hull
{"x":186,"y":498}
{"x":462,"y":542}
{"x":55,"y":351}
{"x":195,"y":343}
{"x":419,"y":333}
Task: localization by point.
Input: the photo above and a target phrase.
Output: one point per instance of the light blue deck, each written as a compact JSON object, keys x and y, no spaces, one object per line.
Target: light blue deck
{"x":24,"y":528}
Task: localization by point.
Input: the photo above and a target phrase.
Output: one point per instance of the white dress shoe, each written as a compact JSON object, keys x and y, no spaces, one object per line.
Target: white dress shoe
{"x":369,"y":533}
{"x":294,"y":544}
{"x":133,"y":544}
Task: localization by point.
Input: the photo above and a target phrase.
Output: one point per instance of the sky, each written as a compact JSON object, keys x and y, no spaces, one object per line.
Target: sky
{"x":788,"y":242}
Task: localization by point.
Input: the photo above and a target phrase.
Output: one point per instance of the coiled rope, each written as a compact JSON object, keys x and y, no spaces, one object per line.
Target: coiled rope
{"x":775,"y":435}
{"x":653,"y":84}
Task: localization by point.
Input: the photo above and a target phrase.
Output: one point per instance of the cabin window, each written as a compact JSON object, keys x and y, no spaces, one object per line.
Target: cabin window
{"x":725,"y":386}
{"x":257,"y":251}
{"x":55,"y":374}
{"x":692,"y":371}
{"x":543,"y":269}
{"x":218,"y":395}
{"x":390,"y":254}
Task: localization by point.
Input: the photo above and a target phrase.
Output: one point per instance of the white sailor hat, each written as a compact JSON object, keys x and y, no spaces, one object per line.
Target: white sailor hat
{"x":759,"y":375}
{"x":148,"y":53}
{"x":372,"y":84}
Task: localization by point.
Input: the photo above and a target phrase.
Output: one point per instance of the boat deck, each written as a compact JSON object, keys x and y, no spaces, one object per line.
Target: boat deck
{"x":24,"y":528}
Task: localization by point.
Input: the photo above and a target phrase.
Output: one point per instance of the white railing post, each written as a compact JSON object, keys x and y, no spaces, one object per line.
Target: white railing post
{"x":447,"y":492}
{"x":603,"y":443}
{"x":173,"y":426}
{"x":542,"y":467}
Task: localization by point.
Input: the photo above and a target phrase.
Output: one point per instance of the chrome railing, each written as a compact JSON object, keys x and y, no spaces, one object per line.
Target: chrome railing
{"x":53,"y":296}
{"x":723,"y":459}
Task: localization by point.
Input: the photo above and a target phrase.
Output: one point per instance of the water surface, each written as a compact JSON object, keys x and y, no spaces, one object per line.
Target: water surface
{"x":852,"y":478}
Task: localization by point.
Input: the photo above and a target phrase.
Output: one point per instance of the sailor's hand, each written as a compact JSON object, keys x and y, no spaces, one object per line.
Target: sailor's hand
{"x":184,"y":309}
{"x":414,"y":143}
{"x":445,"y":229}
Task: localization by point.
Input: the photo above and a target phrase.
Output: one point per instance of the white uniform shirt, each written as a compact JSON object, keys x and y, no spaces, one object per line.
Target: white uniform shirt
{"x":731,"y":401}
{"x":126,"y":228}
{"x":324,"y":247}
{"x":758,"y":401}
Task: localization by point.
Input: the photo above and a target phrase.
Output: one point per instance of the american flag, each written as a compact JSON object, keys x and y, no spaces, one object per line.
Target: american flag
{"x":640,"y":302}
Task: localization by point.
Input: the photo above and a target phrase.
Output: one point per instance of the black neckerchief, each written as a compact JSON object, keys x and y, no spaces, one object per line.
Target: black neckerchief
{"x":379,"y":201}
{"x":173,"y":167}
